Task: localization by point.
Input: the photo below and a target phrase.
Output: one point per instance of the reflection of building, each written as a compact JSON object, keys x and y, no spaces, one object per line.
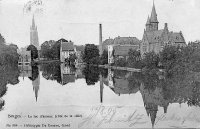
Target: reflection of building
{"x":110,"y":54}
{"x":24,"y":56}
{"x":25,"y":70}
{"x":34,"y":35}
{"x":120,"y":48}
{"x":152,"y":99}
{"x":79,"y":50}
{"x":66,"y":48}
{"x":79,"y":73}
{"x":120,"y":85}
{"x":67,"y":74}
{"x":110,"y":78}
{"x":155,"y":40}
{"x":36,"y":85}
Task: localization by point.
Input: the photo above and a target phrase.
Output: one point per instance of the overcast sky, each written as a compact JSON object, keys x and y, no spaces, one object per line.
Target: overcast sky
{"x":78,"y":20}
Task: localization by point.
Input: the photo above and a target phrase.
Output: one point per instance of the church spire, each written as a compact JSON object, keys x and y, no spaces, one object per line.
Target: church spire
{"x":148,"y":24}
{"x":148,"y":21}
{"x":154,"y":14}
{"x":33,"y":22}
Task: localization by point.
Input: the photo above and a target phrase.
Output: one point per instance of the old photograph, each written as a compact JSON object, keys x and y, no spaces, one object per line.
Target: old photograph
{"x":103,"y":64}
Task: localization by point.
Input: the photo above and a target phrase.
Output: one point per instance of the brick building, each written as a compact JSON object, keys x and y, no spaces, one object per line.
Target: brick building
{"x":155,"y":39}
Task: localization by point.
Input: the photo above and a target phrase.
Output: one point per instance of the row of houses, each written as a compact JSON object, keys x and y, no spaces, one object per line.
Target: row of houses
{"x":66,"y":49}
{"x":153,"y":40}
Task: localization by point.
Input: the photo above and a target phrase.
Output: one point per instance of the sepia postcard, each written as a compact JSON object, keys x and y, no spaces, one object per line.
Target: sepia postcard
{"x":99,"y":64}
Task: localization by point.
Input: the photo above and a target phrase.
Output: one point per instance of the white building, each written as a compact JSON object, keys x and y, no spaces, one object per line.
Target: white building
{"x":66,"y":49}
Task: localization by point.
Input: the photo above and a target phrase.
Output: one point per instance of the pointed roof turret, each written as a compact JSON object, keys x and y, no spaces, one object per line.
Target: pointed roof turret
{"x":153,"y":14}
{"x":148,"y":21}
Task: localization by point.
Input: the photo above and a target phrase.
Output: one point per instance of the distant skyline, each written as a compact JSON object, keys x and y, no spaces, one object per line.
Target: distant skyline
{"x":77,"y":20}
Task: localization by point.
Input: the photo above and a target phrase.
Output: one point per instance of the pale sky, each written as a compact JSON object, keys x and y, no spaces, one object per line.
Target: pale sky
{"x":78,"y":20}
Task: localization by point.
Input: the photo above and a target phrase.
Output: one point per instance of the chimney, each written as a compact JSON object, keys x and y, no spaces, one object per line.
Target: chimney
{"x":166,"y":27}
{"x":100,"y":40}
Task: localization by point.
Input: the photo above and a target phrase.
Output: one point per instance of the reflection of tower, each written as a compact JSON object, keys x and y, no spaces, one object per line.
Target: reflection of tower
{"x":36,"y":85}
{"x":34,"y":34}
{"x":151,"y":110}
{"x":101,"y":88}
{"x":153,"y":98}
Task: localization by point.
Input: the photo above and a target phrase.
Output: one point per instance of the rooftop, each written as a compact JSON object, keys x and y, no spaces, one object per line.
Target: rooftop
{"x":67,"y":46}
{"x":122,"y":50}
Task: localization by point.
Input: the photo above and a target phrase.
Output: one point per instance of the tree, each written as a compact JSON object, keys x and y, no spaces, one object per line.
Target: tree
{"x":55,"y":50}
{"x":91,"y":54}
{"x":151,"y":60}
{"x":34,"y":51}
{"x":2,"y":40}
{"x":134,"y":59}
{"x":8,"y":54}
{"x":121,"y":62}
{"x":46,"y":51}
{"x":171,"y":59}
{"x":72,"y":59}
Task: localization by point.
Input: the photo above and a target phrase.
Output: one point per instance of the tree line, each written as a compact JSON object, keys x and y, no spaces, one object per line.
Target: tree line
{"x":171,"y":58}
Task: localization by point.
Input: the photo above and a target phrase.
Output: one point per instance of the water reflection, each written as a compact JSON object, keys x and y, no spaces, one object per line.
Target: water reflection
{"x":9,"y":75}
{"x":32,"y":72}
{"x":157,"y":90}
{"x":91,"y":74}
{"x":67,"y":74}
{"x":51,"y":71}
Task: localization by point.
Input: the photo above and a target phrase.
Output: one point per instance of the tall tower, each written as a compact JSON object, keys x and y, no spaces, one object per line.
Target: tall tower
{"x":34,"y":34}
{"x":148,"y":24}
{"x":100,"y":40}
{"x":153,"y":19}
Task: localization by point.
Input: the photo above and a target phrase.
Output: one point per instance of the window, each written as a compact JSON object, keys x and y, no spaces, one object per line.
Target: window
{"x":144,"y":48}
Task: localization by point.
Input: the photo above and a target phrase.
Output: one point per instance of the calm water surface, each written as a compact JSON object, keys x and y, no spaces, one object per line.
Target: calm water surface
{"x":59,"y":96}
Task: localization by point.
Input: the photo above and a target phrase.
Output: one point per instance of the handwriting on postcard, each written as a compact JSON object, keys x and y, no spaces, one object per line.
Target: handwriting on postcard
{"x":98,"y":117}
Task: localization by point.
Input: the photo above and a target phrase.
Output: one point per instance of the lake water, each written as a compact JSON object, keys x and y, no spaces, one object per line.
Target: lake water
{"x":59,"y":96}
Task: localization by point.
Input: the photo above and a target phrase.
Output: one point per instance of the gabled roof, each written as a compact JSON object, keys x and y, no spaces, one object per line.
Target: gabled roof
{"x":176,"y":37}
{"x":126,"y":41}
{"x":153,"y":36}
{"x":108,"y":41}
{"x":67,"y":46}
{"x":122,"y":50}
{"x":79,"y":47}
